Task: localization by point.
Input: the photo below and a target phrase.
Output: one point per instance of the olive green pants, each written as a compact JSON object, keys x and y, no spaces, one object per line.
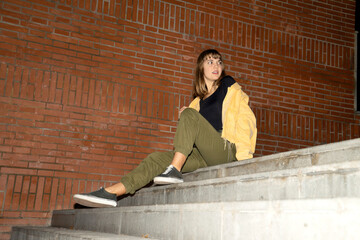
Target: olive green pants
{"x":196,"y":138}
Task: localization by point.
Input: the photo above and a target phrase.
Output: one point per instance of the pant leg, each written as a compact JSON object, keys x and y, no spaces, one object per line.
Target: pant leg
{"x":153,"y":165}
{"x":194,"y":161}
{"x":195,"y":138}
{"x":194,"y":130}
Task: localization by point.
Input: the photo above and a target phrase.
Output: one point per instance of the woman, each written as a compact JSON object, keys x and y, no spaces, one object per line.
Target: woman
{"x":218,"y":127}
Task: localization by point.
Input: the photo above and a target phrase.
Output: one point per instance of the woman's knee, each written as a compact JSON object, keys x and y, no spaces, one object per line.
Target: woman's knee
{"x":162,"y":159}
{"x":189,"y":113}
{"x":154,"y":156}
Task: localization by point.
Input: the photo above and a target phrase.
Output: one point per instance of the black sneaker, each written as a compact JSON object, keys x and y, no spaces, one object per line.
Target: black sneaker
{"x":99,"y":198}
{"x":171,"y":175}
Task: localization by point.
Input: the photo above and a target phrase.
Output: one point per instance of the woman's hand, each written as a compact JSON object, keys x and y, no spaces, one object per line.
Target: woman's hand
{"x":182,"y":109}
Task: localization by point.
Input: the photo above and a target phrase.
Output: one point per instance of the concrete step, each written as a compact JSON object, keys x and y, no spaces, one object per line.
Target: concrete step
{"x":312,"y":156}
{"x":327,"y":171}
{"x":303,"y":194}
{"x":335,"y":218}
{"x":46,"y":233}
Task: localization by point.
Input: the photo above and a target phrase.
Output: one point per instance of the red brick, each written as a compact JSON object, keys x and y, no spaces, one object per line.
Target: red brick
{"x":35,"y":214}
{"x":22,"y":221}
{"x":18,"y":183}
{"x":11,"y":214}
{"x":9,"y":170}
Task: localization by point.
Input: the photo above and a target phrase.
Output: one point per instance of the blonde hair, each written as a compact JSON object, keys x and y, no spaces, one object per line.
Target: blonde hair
{"x":199,"y":86}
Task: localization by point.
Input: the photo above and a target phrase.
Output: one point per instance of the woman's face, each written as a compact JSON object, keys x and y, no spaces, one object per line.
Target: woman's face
{"x":213,"y":68}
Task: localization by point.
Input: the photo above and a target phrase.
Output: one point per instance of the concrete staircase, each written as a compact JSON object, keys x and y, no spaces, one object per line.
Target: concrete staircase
{"x":312,"y":193}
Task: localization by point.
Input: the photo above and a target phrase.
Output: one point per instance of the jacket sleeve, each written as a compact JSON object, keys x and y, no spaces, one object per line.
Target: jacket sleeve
{"x":246,"y":131}
{"x":239,"y":123}
{"x":195,"y":104}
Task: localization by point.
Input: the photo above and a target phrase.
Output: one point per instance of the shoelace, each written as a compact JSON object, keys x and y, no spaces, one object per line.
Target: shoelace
{"x":168,"y":169}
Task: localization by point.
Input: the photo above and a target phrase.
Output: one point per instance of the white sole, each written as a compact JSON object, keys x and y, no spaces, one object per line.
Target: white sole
{"x":165,"y":180}
{"x":92,"y":201}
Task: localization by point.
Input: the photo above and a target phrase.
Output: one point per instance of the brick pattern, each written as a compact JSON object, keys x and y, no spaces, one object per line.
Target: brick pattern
{"x":224,"y":20}
{"x":89,"y":87}
{"x":281,"y":131}
{"x":77,"y":94}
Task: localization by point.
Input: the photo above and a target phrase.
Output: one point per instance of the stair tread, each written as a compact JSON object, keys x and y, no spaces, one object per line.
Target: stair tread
{"x":76,"y":234}
{"x":280,"y":184}
{"x":312,"y":156}
{"x":296,"y":190}
{"x":233,"y":220}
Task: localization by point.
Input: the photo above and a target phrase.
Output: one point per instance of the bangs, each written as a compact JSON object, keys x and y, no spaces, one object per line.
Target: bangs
{"x":212,"y":55}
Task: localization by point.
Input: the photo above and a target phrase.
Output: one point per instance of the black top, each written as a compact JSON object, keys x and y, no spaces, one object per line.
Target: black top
{"x":211,"y":107}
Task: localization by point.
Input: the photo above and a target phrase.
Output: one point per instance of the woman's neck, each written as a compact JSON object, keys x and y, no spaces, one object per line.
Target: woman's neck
{"x":209,"y":85}
{"x":210,"y":91}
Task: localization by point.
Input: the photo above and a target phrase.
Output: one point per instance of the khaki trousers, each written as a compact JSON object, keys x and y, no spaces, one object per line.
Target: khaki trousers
{"x":196,"y":138}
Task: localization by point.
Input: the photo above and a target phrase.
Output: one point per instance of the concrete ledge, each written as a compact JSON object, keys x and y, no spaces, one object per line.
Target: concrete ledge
{"x":46,"y":233}
{"x":292,"y":163}
{"x":312,"y":156}
{"x":285,"y":219}
{"x":64,"y":219}
{"x":336,"y":159}
{"x":319,"y":181}
{"x":309,"y":193}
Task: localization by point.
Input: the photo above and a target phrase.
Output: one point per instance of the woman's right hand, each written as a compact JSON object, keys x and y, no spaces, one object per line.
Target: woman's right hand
{"x":182,"y":109}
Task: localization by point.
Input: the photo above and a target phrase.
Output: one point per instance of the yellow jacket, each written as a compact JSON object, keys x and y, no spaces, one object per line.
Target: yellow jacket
{"x":239,"y":123}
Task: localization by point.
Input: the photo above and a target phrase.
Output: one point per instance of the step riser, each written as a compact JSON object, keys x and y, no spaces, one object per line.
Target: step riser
{"x":326,"y":181}
{"x":35,"y":234}
{"x":288,"y":219}
{"x":304,"y":194}
{"x":199,"y":185}
{"x":46,"y":233}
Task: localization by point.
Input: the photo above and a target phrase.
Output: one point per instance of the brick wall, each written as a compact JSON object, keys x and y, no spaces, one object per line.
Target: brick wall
{"x":90,"y":87}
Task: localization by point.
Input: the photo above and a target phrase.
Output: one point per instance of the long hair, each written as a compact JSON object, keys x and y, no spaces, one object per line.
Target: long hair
{"x":199,"y":86}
